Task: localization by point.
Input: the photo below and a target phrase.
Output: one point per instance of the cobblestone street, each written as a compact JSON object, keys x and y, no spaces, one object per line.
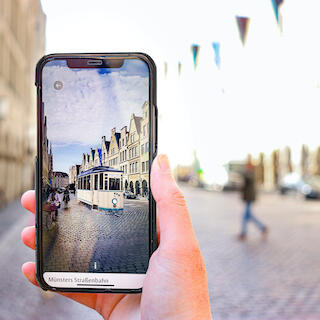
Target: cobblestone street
{"x":276,"y":278}
{"x":95,"y":241}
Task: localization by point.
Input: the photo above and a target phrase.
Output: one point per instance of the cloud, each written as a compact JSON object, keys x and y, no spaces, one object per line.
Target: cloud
{"x":90,"y":104}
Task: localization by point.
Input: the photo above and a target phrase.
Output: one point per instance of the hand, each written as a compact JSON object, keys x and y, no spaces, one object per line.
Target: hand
{"x":176,"y":285}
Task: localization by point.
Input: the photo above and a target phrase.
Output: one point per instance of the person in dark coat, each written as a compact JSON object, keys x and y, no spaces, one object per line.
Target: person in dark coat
{"x":249,"y":196}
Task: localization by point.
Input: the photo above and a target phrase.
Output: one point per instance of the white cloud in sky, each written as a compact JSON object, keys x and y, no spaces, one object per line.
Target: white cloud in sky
{"x":90,"y":104}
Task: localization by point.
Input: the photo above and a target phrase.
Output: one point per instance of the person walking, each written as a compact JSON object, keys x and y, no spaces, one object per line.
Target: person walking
{"x":54,"y":203}
{"x":66,"y":197}
{"x":249,"y":196}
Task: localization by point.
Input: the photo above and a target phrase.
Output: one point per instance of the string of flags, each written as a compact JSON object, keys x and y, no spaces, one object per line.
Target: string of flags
{"x":195,"y":51}
{"x":276,"y":4}
{"x":242,"y":23}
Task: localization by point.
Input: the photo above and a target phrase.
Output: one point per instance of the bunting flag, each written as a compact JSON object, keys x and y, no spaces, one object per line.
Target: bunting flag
{"x":179,"y":68}
{"x":165,"y":69}
{"x":195,"y":51}
{"x":216,"y":48}
{"x":276,"y":4}
{"x":243,"y":23}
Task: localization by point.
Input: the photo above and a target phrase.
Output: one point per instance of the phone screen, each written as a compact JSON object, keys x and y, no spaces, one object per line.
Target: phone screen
{"x":95,"y":174}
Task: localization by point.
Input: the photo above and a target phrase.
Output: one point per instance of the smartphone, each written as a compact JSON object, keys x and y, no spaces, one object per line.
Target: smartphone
{"x":97,"y":138}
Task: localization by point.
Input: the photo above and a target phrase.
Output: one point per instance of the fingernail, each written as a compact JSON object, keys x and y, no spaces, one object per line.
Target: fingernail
{"x":163,"y":162}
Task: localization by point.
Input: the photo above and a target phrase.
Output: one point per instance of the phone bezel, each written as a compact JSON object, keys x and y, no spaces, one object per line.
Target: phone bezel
{"x":153,"y":140}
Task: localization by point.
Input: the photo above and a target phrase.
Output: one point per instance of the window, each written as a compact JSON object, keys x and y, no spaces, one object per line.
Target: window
{"x":142,"y":149}
{"x":112,"y":151}
{"x":143,"y":166}
{"x":125,"y":154}
{"x":132,"y":138}
{"x":88,"y":182}
{"x":144,"y":130}
{"x":147,"y":147}
{"x":122,"y":142}
{"x":136,"y":166}
{"x":95,"y":182}
{"x":126,"y":168}
{"x":147,"y":165}
{"x":136,"y":151}
{"x":114,"y":184}
{"x":104,"y":156}
{"x":101,"y":181}
{"x":105,"y":182}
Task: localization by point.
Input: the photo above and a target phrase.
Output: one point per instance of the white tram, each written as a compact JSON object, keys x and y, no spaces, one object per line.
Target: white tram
{"x":101,"y":188}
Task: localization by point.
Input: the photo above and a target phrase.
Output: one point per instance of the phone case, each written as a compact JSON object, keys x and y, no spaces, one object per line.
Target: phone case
{"x":153,"y":134}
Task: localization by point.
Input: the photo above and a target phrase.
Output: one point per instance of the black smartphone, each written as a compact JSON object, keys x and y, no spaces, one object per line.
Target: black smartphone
{"x":97,"y":138}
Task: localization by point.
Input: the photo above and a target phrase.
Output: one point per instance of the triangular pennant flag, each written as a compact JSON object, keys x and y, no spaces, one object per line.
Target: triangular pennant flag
{"x":195,"y":51}
{"x":243,"y":27}
{"x":165,"y":69}
{"x":216,"y":48}
{"x":276,"y":4}
{"x":179,"y":68}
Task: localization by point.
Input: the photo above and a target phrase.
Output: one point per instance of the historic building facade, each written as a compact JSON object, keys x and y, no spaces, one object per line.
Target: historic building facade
{"x":73,"y":173}
{"x":22,"y":43}
{"x":127,"y":150}
{"x":59,"y":179}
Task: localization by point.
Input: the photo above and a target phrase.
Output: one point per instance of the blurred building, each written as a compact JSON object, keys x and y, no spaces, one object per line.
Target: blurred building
{"x":59,"y":179}
{"x":22,"y":43}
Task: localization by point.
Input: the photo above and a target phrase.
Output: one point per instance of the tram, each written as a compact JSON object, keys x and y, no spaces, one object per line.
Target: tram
{"x":101,"y":188}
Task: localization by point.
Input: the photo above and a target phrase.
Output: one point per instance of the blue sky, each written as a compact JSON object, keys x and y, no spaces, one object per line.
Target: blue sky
{"x":89,"y":105}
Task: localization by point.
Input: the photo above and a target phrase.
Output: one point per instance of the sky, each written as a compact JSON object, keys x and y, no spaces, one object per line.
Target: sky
{"x":90,"y":103}
{"x":264,"y":96}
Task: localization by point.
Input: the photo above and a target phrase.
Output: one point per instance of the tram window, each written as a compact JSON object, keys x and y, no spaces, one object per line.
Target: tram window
{"x":121,"y":184}
{"x":106,"y":182}
{"x":88,"y":183}
{"x":114,"y":184}
{"x":84,"y":183}
{"x":95,"y":182}
{"x":101,"y":181}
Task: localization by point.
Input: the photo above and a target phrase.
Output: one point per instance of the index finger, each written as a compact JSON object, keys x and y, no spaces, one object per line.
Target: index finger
{"x":28,"y":200}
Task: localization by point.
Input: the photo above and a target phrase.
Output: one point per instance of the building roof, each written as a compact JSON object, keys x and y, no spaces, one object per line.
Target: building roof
{"x":107,"y":144}
{"x":117,"y":135}
{"x":60,"y":174}
{"x":138,"y":123}
{"x":98,"y":170}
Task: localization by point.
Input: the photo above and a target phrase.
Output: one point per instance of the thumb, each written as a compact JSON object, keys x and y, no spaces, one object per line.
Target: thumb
{"x":172,"y":212}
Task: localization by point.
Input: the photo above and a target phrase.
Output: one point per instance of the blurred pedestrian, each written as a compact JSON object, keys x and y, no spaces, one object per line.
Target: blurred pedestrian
{"x":54,"y":203}
{"x":249,"y":196}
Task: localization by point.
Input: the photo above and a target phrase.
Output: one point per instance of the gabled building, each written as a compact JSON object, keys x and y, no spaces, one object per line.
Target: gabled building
{"x":113,"y":154}
{"x":123,"y":157}
{"x":144,"y":150}
{"x":105,"y":151}
{"x":134,"y":154}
